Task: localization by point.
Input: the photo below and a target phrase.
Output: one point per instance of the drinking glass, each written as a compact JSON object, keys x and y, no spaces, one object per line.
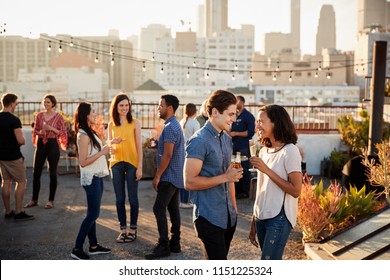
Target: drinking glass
{"x":112,"y":152}
{"x":253,"y":151}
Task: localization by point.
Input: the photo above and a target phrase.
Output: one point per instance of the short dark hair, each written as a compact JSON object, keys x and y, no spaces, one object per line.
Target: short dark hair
{"x":8,"y":98}
{"x":52,"y":99}
{"x":171,"y":100}
{"x":284,"y":129}
{"x":240,"y":97}
{"x":220,"y":100}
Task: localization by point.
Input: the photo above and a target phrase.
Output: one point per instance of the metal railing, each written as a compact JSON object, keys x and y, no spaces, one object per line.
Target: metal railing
{"x":305,"y":118}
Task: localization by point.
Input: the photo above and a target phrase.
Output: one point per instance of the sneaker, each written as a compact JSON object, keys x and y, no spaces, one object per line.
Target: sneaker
{"x":174,"y":246}
{"x":186,"y":205}
{"x":123,"y":238}
{"x":159,"y":251}
{"x":22,"y":216}
{"x":9,"y":215}
{"x":79,"y":254}
{"x":99,"y":250}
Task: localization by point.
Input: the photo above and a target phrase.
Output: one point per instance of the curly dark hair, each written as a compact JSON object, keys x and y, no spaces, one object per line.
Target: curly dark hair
{"x":284,"y":129}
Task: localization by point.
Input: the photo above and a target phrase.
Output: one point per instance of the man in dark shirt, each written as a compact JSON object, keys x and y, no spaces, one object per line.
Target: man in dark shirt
{"x":11,"y":159}
{"x":241,"y":132}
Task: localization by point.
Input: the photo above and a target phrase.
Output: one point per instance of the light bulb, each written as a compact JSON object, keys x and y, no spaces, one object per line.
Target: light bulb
{"x":112,"y":62}
{"x":194,"y":63}
{"x":233,"y":77}
{"x":153,"y":58}
{"x":60,"y":47}
{"x":274,"y":78}
{"x":49,"y":46}
{"x":143,"y":66}
{"x":188,"y":74}
{"x":96,"y":58}
{"x":162,"y":69}
{"x":71,"y":42}
{"x":316,"y":75}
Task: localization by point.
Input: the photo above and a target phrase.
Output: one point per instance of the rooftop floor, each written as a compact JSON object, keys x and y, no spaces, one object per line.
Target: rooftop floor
{"x":51,"y":235}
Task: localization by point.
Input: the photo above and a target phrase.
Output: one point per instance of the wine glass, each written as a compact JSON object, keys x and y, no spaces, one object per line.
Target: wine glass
{"x":253,"y":151}
{"x":112,"y":151}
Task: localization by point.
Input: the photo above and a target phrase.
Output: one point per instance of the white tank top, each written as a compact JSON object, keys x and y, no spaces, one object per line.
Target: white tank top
{"x":98,"y":168}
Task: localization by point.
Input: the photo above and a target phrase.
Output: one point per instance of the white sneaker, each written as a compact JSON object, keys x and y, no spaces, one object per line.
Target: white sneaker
{"x":186,"y":205}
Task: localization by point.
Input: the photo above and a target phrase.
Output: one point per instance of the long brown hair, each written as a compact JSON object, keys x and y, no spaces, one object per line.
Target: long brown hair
{"x":114,"y":115}
{"x":189,"y":111}
{"x":81,"y":122}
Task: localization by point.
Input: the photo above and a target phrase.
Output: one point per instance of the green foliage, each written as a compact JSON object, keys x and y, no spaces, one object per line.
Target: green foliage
{"x":355,"y":133}
{"x":324,"y":211}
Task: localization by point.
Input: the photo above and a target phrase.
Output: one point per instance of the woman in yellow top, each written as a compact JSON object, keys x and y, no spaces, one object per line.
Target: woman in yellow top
{"x":125,"y":163}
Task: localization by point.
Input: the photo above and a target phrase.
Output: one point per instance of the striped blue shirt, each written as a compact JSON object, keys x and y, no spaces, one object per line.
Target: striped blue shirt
{"x":172,"y":133}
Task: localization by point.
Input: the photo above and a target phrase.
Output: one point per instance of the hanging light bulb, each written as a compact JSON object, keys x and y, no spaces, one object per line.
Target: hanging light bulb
{"x":274,"y":77}
{"x":153,"y":58}
{"x":236,"y":66}
{"x":207,"y":74}
{"x":71,"y":42}
{"x":143,"y":66}
{"x":162,"y":68}
{"x":250,"y":77}
{"x":319,"y":66}
{"x":49,"y":46}
{"x":233,"y":77}
{"x":290,"y":78}
{"x":112,"y":50}
{"x":316,"y":75}
{"x":97,"y":58}
{"x":188,"y":73}
{"x":60,"y":47}
{"x":112,"y":61}
{"x":194,"y":63}
{"x":277,"y":66}
{"x":328,"y":74}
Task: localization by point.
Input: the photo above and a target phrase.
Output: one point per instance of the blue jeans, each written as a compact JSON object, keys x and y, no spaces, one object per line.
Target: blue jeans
{"x":123,"y":173}
{"x":88,"y":226}
{"x":273,"y":235}
{"x":167,"y":198}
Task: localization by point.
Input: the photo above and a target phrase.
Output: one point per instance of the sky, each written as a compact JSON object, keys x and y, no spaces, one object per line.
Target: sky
{"x":94,"y":18}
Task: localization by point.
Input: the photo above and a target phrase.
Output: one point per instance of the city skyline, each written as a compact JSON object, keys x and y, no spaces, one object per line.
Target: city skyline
{"x":91,"y":19}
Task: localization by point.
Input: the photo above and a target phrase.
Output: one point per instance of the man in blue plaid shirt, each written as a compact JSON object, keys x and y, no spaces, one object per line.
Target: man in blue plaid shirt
{"x":168,"y":179}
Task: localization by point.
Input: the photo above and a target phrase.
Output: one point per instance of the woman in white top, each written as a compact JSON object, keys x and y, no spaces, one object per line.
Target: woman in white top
{"x":93,"y":167}
{"x":189,"y":125}
{"x":279,"y":182}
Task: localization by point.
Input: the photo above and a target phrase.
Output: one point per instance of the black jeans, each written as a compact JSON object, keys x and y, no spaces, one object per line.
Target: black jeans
{"x":51,"y":152}
{"x":215,"y":240}
{"x":167,"y":198}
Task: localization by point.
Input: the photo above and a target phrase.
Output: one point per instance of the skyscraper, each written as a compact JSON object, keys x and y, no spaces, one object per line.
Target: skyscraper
{"x":373,"y":13}
{"x":296,"y":25}
{"x":216,"y":16}
{"x":326,"y":30}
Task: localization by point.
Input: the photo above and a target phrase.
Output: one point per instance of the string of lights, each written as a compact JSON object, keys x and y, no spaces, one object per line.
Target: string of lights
{"x":73,"y":42}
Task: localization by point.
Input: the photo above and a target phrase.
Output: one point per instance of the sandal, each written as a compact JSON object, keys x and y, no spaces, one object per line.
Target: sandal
{"x":49,"y":205}
{"x":132,"y":236}
{"x":32,"y":203}
{"x":122,"y":238}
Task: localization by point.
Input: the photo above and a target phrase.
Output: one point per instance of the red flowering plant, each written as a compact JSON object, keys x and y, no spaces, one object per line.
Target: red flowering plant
{"x":322,"y":212}
{"x":100,"y":128}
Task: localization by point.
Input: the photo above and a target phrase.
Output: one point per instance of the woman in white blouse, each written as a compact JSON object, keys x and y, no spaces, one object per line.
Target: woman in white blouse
{"x":93,"y":167}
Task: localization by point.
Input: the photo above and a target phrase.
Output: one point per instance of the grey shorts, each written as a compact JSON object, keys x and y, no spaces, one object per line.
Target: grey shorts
{"x":13,"y":169}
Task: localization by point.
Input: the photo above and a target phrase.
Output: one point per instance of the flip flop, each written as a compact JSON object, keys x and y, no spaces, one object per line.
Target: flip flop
{"x":49,"y":205}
